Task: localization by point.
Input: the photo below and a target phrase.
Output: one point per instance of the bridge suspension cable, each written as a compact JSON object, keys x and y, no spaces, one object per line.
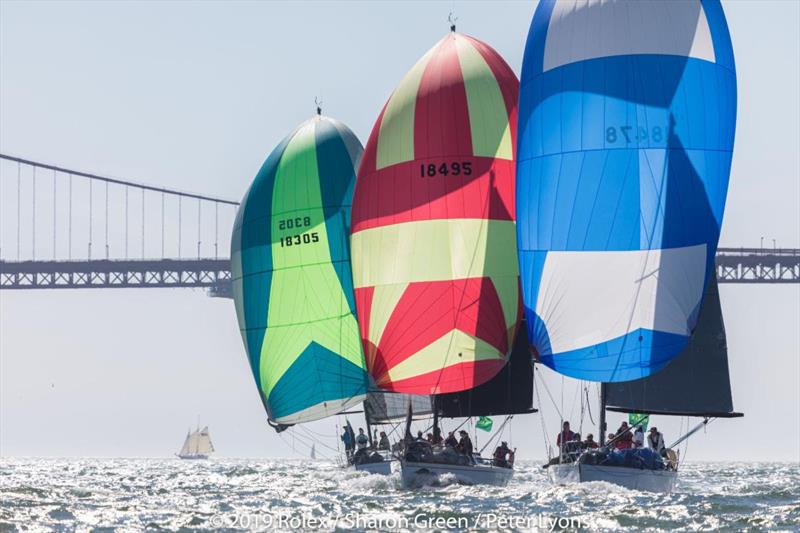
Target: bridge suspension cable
{"x":40,"y":186}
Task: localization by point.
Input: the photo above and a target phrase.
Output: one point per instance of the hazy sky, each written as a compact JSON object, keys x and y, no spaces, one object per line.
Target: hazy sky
{"x":194,"y":95}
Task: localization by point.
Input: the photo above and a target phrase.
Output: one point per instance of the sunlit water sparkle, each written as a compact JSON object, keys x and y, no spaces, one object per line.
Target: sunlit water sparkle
{"x":169,"y":494}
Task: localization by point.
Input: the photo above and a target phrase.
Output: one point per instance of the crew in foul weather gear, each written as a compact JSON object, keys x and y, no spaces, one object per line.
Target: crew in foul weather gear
{"x":383,"y":443}
{"x":465,"y":445}
{"x":565,"y":436}
{"x":503,"y":456}
{"x":655,"y":440}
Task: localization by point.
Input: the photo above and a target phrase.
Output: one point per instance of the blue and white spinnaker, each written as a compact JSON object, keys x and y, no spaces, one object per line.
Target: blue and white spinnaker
{"x":626,"y":128}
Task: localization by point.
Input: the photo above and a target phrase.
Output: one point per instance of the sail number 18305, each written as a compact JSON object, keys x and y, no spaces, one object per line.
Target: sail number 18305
{"x":297,"y":223}
{"x":454,"y":168}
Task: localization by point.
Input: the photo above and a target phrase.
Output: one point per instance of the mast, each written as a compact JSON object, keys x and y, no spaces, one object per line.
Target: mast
{"x":602,"y":414}
{"x":369,"y":428}
{"x":436,"y":430}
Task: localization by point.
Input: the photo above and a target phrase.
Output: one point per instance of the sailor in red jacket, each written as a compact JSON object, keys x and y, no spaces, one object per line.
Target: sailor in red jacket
{"x":625,"y":437}
{"x":565,"y":436}
{"x":589,"y":443}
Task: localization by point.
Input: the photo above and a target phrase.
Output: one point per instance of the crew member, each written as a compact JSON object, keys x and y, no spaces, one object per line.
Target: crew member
{"x":361,"y":439}
{"x":451,"y":441}
{"x":564,"y":437}
{"x":624,"y":437}
{"x":638,"y":437}
{"x":347,"y":439}
{"x":655,"y":440}
{"x":465,"y":445}
{"x":501,"y":455}
{"x":589,"y":443}
{"x":383,"y":444}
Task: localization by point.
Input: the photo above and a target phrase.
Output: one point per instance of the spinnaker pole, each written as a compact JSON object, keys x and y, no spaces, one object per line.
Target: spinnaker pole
{"x":691,"y":432}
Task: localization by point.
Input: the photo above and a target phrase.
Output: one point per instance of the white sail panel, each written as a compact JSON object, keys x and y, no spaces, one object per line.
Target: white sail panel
{"x":203,"y":444}
{"x":639,"y":289}
{"x":186,"y":445}
{"x":582,"y":30}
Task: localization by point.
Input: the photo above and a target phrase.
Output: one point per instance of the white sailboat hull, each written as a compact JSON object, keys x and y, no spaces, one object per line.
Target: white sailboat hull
{"x":631,"y":478}
{"x":193,"y":456}
{"x":383,"y":468}
{"x":416,"y":474}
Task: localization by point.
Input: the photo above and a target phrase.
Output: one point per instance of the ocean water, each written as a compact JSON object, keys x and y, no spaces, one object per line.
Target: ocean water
{"x":172,"y":495}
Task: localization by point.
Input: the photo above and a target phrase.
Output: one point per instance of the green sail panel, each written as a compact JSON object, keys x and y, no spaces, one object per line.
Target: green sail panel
{"x":292,"y":284}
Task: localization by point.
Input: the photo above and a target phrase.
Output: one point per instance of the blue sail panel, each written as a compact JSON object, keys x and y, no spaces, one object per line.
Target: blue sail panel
{"x":626,"y":125}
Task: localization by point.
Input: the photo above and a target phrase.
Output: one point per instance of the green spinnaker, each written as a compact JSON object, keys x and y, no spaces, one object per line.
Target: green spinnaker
{"x":292,"y":279}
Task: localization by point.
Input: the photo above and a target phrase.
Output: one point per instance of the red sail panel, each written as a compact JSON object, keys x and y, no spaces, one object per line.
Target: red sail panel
{"x":433,"y":232}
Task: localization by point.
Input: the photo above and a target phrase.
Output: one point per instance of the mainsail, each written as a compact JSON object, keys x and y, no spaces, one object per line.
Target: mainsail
{"x":696,"y":383}
{"x":626,"y":128}
{"x":197,"y":443}
{"x":510,"y":392}
{"x":291,"y":276}
{"x":433,"y":236}
{"x":382,"y":407}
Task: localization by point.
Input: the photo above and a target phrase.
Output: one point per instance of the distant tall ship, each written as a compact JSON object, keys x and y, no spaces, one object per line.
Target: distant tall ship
{"x":197,"y":444}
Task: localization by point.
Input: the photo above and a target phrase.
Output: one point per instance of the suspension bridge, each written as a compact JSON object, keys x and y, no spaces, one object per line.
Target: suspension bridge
{"x":67,"y":229}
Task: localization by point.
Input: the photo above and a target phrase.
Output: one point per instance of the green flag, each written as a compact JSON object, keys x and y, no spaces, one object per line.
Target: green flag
{"x":636,"y":419}
{"x":484,"y":423}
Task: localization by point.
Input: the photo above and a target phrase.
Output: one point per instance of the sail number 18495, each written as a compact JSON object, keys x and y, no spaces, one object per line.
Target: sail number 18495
{"x":454,"y":168}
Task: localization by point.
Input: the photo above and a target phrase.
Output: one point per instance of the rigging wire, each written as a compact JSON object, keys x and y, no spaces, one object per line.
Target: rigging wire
{"x":589,"y":406}
{"x":583,"y":410}
{"x":496,"y":433}
{"x":549,"y":394}
{"x":309,"y":441}
{"x":577,"y":396}
{"x":547,"y":445}
{"x":311,"y":437}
